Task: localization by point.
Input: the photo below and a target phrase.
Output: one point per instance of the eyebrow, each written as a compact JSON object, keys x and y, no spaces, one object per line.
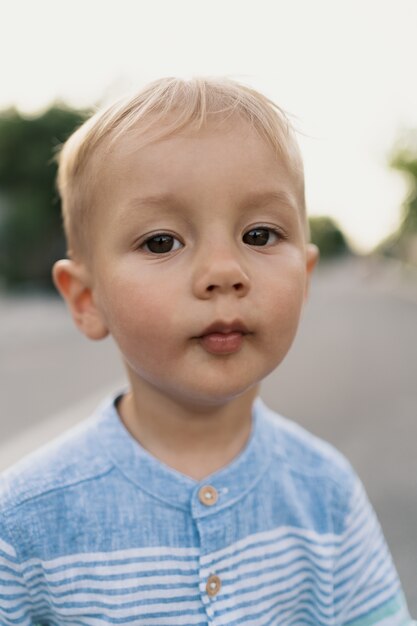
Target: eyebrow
{"x":154,"y":200}
{"x":261,"y":198}
{"x":256,"y":198}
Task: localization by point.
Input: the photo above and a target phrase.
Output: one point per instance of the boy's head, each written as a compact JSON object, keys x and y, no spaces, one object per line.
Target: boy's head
{"x":163,"y":108}
{"x":185,"y":215}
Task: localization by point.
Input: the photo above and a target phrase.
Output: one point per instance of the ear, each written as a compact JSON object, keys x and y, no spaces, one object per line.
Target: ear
{"x":312,"y":257}
{"x":73,"y":282}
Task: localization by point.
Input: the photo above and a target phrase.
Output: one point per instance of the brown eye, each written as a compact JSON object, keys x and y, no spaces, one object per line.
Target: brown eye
{"x":259,"y":236}
{"x":161,"y":243}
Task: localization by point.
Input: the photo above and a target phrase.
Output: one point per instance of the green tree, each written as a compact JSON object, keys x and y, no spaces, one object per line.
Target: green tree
{"x":327,"y":235}
{"x":402,"y":244}
{"x":31,"y":235}
{"x":404,"y":159}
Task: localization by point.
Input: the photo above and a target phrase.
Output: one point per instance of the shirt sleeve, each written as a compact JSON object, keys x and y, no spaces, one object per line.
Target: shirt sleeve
{"x":367,"y":588}
{"x":14,"y":597}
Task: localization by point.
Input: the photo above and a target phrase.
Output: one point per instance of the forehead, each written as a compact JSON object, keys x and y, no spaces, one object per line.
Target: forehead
{"x":227,"y":160}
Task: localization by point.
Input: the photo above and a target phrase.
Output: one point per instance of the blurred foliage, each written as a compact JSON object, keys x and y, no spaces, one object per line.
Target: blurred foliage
{"x":402,"y":244}
{"x":327,"y":235}
{"x":31,"y":235}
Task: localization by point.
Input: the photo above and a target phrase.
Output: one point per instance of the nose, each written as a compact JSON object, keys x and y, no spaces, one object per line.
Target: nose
{"x":220,"y":272}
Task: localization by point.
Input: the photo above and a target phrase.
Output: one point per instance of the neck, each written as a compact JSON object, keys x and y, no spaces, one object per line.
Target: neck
{"x":194,"y":440}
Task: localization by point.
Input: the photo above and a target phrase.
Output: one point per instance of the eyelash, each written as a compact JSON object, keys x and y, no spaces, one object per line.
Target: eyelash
{"x":275,"y":231}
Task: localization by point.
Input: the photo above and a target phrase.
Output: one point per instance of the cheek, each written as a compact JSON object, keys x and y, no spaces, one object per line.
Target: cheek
{"x":284,"y":302}
{"x":138,"y":313}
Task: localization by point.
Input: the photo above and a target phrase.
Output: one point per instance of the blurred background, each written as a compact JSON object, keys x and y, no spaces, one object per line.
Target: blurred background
{"x":345,"y":72}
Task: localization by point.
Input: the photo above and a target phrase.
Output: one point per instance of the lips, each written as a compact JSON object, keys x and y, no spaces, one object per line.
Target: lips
{"x":225,"y":328}
{"x":223,"y":337}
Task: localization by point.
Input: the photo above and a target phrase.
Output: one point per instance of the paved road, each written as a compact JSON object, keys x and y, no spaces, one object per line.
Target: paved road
{"x":351,"y":378}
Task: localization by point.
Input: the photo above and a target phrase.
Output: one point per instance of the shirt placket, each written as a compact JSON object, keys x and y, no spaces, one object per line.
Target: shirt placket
{"x":209,"y":514}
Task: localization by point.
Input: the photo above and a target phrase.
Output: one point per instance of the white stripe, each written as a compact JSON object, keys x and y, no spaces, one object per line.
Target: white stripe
{"x":368,"y":538}
{"x":364,"y":566}
{"x":354,"y":525}
{"x":116,"y":555}
{"x":118,"y":599}
{"x":7,"y":549}
{"x":122,"y":583}
{"x":19,"y":606}
{"x":260,"y":559}
{"x":375,"y":587}
{"x":359,"y":507}
{"x":373,"y":604}
{"x":93,"y":571}
{"x":16,"y":614}
{"x":314,"y":540}
{"x":365,"y":583}
{"x":401,"y":619}
{"x":360,"y":511}
{"x":177,"y":620}
{"x":9,"y":590}
{"x":14,"y":576}
{"x":365,"y":569}
{"x":289,"y":599}
{"x":360,"y":559}
{"x":257,"y":575}
{"x":278,"y":587}
{"x":174,"y":620}
{"x":191,"y":606}
{"x":291,"y":615}
{"x":13,"y":602}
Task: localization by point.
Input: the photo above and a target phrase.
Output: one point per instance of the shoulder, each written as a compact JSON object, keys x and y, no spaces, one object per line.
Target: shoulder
{"x":304,"y":452}
{"x":311,"y":466}
{"x":74,"y":457}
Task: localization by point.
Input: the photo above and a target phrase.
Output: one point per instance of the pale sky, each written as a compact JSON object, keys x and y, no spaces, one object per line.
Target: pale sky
{"x":346,"y":69}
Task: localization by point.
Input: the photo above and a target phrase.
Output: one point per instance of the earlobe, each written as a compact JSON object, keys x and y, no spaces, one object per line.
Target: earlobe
{"x":312,"y":258}
{"x":72,"y":281}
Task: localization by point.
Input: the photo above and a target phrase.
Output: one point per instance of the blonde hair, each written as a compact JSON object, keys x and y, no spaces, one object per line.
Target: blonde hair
{"x":163,"y":108}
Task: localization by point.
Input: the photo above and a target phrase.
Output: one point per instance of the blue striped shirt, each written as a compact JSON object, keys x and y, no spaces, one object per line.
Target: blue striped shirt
{"x":95,"y":530}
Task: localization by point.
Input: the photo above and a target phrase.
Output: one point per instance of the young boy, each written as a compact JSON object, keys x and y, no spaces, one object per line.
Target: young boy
{"x":185,"y":500}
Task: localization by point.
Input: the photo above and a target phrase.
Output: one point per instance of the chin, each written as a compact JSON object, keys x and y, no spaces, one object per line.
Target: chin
{"x":211,"y":396}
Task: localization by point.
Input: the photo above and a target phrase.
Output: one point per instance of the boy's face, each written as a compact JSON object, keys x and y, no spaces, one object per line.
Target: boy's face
{"x":199,"y":230}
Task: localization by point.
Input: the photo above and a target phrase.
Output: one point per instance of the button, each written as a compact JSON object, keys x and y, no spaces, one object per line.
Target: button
{"x":214,"y":584}
{"x":208,"y":495}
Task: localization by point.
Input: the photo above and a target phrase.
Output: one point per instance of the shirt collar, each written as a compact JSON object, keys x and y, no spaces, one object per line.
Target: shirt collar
{"x":231,"y":482}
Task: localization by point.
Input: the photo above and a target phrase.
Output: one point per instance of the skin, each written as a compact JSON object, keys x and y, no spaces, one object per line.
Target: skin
{"x":189,"y":407}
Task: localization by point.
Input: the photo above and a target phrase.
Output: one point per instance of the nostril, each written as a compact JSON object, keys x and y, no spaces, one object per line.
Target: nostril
{"x":236,"y":286}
